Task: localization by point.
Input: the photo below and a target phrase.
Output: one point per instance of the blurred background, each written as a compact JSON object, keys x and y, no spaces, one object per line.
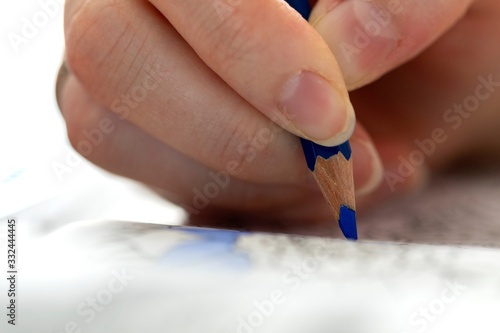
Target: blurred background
{"x":42,"y":179}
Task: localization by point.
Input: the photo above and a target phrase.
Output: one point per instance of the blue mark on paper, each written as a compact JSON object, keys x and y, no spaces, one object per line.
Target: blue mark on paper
{"x":211,"y":247}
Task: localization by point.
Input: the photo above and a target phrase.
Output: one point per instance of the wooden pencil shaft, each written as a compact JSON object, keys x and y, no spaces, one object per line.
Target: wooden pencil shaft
{"x":335,"y":179}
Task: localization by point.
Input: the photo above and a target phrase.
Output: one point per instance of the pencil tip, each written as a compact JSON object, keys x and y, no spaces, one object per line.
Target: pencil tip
{"x":312,"y":151}
{"x":347,"y":223}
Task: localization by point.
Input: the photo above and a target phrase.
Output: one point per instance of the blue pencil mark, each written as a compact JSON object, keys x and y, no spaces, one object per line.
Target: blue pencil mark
{"x":347,"y":223}
{"x":313,"y":150}
{"x":212,"y":248}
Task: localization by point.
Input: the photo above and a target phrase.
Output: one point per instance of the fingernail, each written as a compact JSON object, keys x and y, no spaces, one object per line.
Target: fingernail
{"x":361,"y":35}
{"x":368,"y":168}
{"x":318,"y":110}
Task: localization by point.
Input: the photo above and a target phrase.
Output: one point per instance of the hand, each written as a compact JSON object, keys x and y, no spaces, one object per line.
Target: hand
{"x":180,"y":95}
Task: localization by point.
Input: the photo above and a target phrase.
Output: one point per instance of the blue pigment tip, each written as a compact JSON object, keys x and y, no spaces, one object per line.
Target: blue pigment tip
{"x":347,"y":223}
{"x":313,"y":150}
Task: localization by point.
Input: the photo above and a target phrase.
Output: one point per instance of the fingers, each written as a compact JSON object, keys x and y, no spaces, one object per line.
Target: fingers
{"x":367,"y":166}
{"x":142,"y":70}
{"x":126,"y":150}
{"x":164,"y":89}
{"x":268,"y":54}
{"x":371,"y":37}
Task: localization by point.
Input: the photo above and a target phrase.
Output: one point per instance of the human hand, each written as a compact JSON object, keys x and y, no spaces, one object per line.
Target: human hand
{"x":429,"y":112}
{"x":191,"y":115}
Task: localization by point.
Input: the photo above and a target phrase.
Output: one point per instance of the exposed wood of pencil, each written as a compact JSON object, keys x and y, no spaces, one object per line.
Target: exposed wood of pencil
{"x":335,"y":179}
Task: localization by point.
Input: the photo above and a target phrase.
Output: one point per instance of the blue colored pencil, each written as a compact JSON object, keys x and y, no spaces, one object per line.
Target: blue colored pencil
{"x":332,"y":167}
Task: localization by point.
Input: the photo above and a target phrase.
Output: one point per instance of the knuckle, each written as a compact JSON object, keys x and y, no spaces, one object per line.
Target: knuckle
{"x":91,"y":34}
{"x":77,"y":37}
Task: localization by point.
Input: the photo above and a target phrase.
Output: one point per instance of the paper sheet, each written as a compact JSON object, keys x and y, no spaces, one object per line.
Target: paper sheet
{"x":387,"y":284}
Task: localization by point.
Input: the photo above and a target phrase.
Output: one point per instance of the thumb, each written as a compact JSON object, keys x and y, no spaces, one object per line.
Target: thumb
{"x":371,"y":37}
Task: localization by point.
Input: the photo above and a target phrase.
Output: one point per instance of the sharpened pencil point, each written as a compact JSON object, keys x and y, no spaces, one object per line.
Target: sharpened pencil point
{"x":332,"y":167}
{"x":347,"y":223}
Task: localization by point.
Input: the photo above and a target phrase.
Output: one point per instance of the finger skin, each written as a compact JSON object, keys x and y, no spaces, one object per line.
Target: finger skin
{"x":371,"y":38}
{"x":261,"y":48}
{"x":131,"y":152}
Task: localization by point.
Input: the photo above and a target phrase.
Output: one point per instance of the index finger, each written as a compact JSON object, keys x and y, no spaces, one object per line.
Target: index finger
{"x":273,"y":58}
